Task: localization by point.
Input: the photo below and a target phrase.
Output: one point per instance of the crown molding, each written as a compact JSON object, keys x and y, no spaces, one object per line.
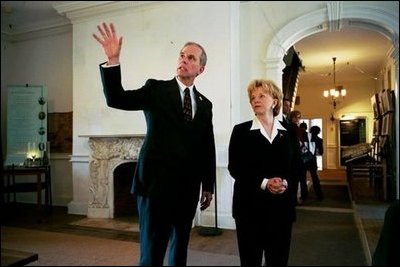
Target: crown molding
{"x":34,"y":33}
{"x":78,"y":11}
{"x":21,"y":31}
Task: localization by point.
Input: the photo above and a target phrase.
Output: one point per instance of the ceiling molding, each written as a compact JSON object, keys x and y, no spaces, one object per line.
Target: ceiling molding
{"x":17,"y":23}
{"x":366,"y":25}
{"x":334,"y":9}
{"x":385,"y":17}
{"x":380,"y":19}
{"x":295,"y":31}
{"x":36,"y":33}
{"x":78,"y":11}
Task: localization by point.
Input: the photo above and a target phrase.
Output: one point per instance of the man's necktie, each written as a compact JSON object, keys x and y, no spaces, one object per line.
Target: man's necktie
{"x":187,"y":106}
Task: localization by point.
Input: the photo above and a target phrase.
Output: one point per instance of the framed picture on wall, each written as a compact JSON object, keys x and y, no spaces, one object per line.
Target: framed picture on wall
{"x":377,"y":127}
{"x":388,"y":100}
{"x":375,"y":105}
{"x":382,"y":106}
{"x":387,"y":124}
{"x":382,"y":141}
{"x":375,"y":147}
{"x":60,"y":132}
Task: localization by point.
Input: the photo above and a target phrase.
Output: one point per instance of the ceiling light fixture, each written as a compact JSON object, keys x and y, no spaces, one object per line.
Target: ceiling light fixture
{"x":337,"y":93}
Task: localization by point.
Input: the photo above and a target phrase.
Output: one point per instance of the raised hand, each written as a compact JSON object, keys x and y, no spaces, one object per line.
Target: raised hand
{"x":110,"y":42}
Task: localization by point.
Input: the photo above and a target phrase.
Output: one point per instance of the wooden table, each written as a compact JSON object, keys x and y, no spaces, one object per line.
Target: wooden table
{"x":12,"y":257}
{"x":12,"y":186}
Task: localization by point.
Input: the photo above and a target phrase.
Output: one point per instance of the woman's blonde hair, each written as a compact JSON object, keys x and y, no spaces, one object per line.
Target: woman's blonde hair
{"x":268,"y":87}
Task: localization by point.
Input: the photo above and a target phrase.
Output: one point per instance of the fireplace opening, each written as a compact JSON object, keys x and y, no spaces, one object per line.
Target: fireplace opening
{"x":124,"y":201}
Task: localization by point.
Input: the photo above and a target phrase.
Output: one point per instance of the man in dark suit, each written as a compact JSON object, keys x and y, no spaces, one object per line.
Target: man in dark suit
{"x":177,"y":158}
{"x":286,"y":108}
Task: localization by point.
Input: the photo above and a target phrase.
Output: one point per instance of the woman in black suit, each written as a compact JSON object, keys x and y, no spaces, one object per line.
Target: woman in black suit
{"x":263,"y":160}
{"x":177,"y":158}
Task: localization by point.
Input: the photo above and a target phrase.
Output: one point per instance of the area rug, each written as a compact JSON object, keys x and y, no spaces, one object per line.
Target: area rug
{"x":336,"y":195}
{"x":326,"y":239}
{"x":59,"y":249}
{"x":330,"y":228}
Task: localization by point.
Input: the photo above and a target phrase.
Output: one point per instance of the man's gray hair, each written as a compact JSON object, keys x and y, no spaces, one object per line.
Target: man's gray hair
{"x":203,"y":56}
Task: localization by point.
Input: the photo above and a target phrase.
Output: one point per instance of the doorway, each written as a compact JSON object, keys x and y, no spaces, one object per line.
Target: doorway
{"x":315,"y":122}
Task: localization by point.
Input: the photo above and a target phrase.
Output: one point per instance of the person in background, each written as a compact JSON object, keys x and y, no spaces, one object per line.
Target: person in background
{"x":295,"y":117}
{"x":314,"y":144}
{"x":303,"y":126}
{"x":286,"y":107}
{"x":319,"y":147}
{"x":263,"y":157}
{"x":302,"y":134}
{"x":177,"y":158}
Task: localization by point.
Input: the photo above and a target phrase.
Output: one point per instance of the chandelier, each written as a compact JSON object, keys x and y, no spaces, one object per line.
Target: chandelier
{"x":337,"y":93}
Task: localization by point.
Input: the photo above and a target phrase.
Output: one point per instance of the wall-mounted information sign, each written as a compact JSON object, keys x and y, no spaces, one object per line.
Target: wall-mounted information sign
{"x":26,"y":123}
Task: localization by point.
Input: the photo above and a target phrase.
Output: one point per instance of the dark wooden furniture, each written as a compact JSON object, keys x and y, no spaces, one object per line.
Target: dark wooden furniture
{"x":371,"y":165}
{"x":43,"y":182}
{"x":376,"y":172}
{"x":12,"y":257}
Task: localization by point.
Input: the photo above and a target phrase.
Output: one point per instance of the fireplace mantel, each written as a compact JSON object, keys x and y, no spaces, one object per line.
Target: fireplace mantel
{"x":107,"y":152}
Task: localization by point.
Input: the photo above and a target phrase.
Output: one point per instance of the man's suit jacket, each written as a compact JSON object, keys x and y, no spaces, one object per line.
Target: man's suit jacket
{"x":177,"y":156}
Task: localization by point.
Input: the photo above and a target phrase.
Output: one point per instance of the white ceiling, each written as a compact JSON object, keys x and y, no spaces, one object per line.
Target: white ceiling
{"x":360,"y":53}
{"x":24,"y":16}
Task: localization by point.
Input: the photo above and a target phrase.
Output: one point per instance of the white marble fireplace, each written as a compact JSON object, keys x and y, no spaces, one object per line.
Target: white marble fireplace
{"x":106,"y":153}
{"x":95,"y":174}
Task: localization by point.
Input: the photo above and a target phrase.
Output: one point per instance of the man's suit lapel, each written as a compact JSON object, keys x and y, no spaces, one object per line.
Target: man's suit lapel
{"x":199,"y":103}
{"x":175,"y":98}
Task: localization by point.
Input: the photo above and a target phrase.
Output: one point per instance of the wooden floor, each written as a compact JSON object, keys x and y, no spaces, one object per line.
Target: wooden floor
{"x":332,"y":175}
{"x":25,"y":216}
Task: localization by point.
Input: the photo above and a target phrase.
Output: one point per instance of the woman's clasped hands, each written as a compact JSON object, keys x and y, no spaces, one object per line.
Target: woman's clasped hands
{"x":277,"y":185}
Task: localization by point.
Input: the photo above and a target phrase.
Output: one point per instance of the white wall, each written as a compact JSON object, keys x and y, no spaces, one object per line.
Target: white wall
{"x":47,"y":61}
{"x":150,"y":50}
